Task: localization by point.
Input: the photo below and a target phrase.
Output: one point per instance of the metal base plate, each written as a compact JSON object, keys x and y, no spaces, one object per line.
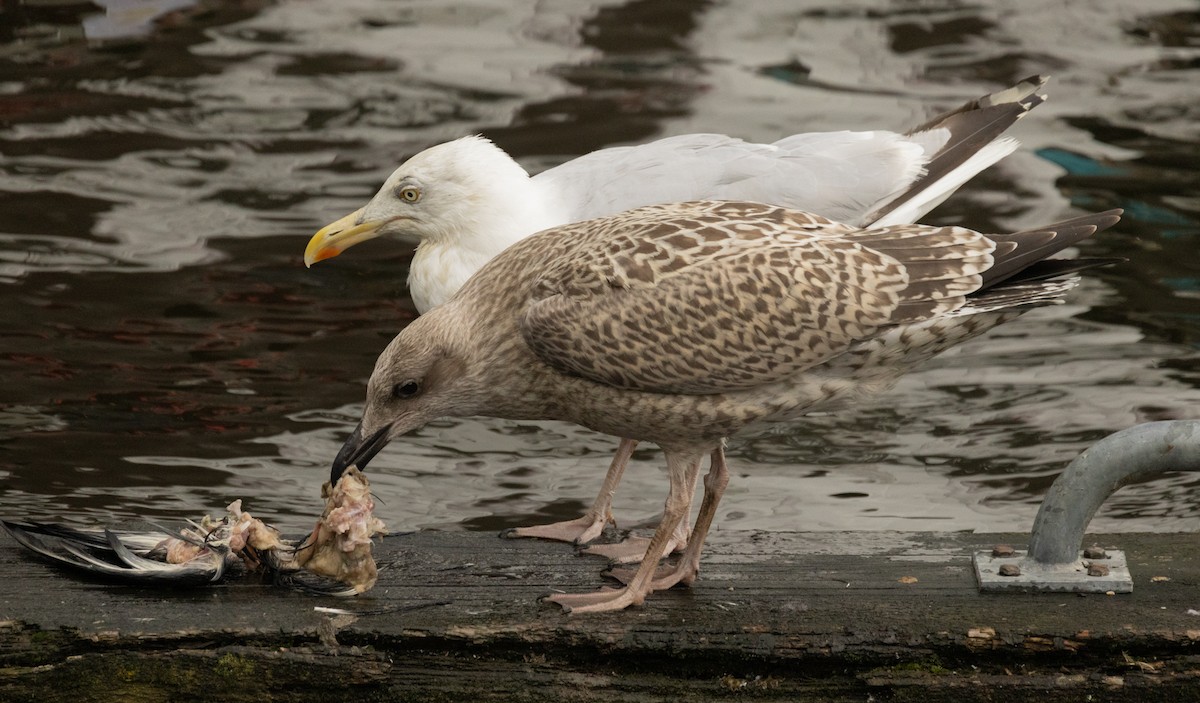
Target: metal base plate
{"x":1062,"y":578}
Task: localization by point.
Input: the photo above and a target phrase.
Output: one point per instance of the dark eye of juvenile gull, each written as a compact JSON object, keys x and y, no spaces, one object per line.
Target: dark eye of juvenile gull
{"x":407,"y":389}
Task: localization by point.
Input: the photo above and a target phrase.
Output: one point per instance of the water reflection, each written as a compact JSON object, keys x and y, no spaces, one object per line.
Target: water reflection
{"x":129,"y":19}
{"x":167,"y":352}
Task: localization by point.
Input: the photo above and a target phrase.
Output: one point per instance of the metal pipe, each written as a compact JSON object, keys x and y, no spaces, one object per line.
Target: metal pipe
{"x":1130,"y":455}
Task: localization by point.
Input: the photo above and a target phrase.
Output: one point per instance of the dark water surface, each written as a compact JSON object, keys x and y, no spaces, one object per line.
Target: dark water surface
{"x":165,"y":350}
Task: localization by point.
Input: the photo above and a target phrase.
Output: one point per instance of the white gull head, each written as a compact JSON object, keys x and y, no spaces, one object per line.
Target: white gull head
{"x":463,"y":202}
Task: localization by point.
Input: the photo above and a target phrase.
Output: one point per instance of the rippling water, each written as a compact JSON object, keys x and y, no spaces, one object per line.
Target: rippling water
{"x":165,"y":350}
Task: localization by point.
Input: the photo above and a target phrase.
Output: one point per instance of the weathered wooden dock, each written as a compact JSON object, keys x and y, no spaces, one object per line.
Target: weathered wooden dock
{"x":775,"y":616}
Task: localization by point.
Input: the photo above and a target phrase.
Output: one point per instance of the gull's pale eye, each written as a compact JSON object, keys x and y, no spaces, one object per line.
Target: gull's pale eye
{"x":409,"y":194}
{"x":407,"y":389}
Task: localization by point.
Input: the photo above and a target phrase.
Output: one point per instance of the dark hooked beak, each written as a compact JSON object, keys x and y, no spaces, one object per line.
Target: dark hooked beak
{"x":357,"y":451}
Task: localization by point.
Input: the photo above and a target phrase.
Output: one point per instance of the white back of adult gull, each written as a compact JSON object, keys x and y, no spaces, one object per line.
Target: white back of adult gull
{"x":686,"y":323}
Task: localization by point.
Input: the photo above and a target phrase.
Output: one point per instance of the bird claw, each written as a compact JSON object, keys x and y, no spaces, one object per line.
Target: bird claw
{"x":630,"y":550}
{"x":665,"y":576}
{"x":581,"y":530}
{"x":604,"y":600}
{"x":624,"y":575}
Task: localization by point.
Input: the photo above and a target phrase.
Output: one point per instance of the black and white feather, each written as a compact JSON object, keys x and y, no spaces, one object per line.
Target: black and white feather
{"x":138,"y":557}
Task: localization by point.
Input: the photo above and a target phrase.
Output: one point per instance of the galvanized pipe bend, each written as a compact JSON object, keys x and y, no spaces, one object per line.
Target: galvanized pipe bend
{"x":1130,"y":455}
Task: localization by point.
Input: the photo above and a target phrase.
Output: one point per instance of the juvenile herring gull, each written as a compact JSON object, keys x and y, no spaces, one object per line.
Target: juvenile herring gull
{"x":465,"y":201}
{"x":685,"y":323}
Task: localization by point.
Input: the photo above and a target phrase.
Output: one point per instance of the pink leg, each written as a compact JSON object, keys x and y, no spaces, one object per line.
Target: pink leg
{"x":715,"y":483}
{"x":633,"y":549}
{"x":587,"y":528}
{"x":682,"y":469}
{"x":688,"y":567}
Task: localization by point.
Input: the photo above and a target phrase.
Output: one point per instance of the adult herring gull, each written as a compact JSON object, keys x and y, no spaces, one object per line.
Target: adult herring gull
{"x":685,"y":323}
{"x":465,"y":201}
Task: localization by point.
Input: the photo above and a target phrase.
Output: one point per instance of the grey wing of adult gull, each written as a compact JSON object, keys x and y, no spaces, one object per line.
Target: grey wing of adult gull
{"x":860,"y":178}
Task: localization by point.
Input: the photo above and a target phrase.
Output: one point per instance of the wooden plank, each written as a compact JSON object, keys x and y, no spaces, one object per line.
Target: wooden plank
{"x":775,"y":616}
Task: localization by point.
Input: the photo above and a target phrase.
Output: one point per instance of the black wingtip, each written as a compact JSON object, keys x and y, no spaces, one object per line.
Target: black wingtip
{"x":1056,"y":268}
{"x":971,"y":127}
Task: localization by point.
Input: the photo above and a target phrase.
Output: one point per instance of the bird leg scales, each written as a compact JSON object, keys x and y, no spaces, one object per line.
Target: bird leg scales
{"x":682,"y":468}
{"x":591,"y":524}
{"x":584,"y":529}
{"x":688,"y":566}
{"x":632,"y":550}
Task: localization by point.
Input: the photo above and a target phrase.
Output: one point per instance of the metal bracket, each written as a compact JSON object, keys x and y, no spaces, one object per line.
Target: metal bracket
{"x":1055,"y":561}
{"x":1015,"y":571}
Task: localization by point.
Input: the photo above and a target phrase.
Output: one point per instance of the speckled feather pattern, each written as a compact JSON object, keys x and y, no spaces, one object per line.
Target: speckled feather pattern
{"x":685,"y":323}
{"x":728,"y":296}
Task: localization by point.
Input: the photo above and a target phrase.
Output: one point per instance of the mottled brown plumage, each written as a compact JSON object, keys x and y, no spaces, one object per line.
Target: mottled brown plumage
{"x":782,"y":290}
{"x":686,"y":323}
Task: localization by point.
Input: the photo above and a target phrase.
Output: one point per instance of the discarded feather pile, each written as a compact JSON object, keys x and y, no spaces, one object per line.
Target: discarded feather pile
{"x":338,"y":548}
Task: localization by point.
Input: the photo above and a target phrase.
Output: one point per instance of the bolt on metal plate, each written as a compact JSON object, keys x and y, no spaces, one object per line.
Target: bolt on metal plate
{"x":1062,"y":578}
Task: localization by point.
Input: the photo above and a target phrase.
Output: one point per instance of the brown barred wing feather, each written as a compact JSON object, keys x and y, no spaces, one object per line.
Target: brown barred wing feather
{"x":723,"y":297}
